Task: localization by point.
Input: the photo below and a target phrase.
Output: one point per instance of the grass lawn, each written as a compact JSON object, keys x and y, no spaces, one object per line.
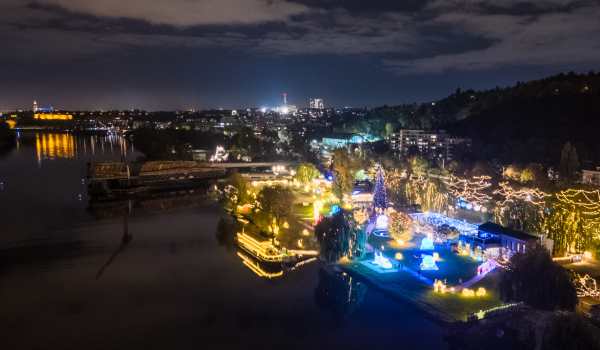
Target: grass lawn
{"x":460,"y":307}
{"x":453,"y":268}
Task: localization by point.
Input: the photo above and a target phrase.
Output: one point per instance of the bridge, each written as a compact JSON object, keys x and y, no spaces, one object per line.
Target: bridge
{"x":110,"y":178}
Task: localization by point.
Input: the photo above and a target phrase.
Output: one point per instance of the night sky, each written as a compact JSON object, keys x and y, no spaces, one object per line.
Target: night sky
{"x":181,"y":54}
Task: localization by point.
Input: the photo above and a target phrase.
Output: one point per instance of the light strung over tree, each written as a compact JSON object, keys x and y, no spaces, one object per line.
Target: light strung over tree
{"x":574,"y":221}
{"x":586,"y":286}
{"x":380,"y":201}
{"x":522,"y":209}
{"x":471,"y":190}
{"x":530,"y":195}
{"x":429,"y":193}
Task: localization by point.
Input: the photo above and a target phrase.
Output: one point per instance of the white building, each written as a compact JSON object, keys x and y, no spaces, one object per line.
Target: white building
{"x":317,"y":103}
{"x":591,"y":177}
{"x":433,"y":145}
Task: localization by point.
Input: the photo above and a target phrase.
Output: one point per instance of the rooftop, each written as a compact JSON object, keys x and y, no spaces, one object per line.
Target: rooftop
{"x":490,"y":227}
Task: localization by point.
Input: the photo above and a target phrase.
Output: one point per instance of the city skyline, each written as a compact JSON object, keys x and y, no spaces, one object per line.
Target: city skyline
{"x":230,"y":54}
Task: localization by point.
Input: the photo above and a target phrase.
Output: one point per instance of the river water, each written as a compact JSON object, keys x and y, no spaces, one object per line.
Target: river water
{"x":80,"y":276}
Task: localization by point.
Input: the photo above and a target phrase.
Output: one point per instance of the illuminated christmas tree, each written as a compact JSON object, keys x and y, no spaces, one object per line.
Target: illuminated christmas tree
{"x":380,"y":195}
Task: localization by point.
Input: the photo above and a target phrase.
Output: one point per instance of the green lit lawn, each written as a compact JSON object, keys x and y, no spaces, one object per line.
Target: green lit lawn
{"x":453,"y":268}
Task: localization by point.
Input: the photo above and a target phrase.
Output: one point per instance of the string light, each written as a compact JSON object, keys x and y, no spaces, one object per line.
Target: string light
{"x":470,"y":190}
{"x":586,"y":286}
{"x":529,"y":195}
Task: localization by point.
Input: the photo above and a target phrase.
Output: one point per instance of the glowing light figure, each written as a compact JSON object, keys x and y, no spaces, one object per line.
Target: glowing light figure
{"x":382,"y":222}
{"x":317,"y":206}
{"x":382,"y":261}
{"x":428,"y":263}
{"x":468,"y":293}
{"x":427,"y":244}
{"x":440,"y":287}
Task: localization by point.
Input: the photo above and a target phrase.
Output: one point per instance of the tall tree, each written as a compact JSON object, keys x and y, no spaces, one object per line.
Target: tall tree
{"x":339,"y":237}
{"x":306,"y":172}
{"x":276,"y":202}
{"x":379,"y":195}
{"x":343,"y":169}
{"x":535,"y":279}
{"x":569,"y":161}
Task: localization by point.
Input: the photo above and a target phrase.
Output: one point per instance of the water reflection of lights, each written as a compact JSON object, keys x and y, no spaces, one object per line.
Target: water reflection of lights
{"x":53,"y":146}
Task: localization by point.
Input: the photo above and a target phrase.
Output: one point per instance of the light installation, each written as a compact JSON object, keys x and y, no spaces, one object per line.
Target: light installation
{"x":381,"y":226}
{"x":380,"y":202}
{"x":382,"y":222}
{"x":471,"y":191}
{"x":428,"y":263}
{"x":586,"y":286}
{"x":427,"y":244}
{"x":574,"y":220}
{"x":382,"y":261}
{"x":529,"y":195}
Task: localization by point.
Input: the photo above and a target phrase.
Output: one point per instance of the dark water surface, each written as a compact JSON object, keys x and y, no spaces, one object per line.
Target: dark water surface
{"x":71,"y":279}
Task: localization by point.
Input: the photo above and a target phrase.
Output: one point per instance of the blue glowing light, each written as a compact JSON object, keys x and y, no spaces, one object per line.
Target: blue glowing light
{"x":382,"y":261}
{"x":427,"y":244}
{"x":428,"y":263}
{"x":334,"y":209}
{"x":382,"y":222}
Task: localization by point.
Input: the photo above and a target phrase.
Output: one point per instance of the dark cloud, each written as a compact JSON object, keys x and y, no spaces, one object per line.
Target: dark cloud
{"x":406,"y":38}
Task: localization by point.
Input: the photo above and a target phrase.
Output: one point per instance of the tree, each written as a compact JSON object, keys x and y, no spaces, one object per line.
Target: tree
{"x":574,"y":220}
{"x":343,"y":169}
{"x":306,"y":172}
{"x":276,"y":202}
{"x":418,"y":166}
{"x":569,"y":161}
{"x":236,"y":191}
{"x":338,"y":237}
{"x":399,"y":226}
{"x":535,"y":279}
{"x":380,"y":196}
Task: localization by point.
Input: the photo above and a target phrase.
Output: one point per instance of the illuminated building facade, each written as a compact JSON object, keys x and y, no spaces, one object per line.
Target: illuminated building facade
{"x":316,"y":103}
{"x":53,"y":116}
{"x":591,"y":177}
{"x":433,"y":145}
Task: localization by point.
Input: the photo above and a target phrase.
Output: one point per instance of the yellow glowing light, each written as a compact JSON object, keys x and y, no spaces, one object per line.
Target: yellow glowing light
{"x":52,"y":116}
{"x":255,"y":267}
{"x":398,"y":256}
{"x":265,"y":250}
{"x":305,"y":232}
{"x":11,"y":124}
{"x":436,"y":256}
{"x":286,"y":225}
{"x":468,"y":293}
{"x":440,"y":287}
{"x":300,"y":244}
{"x":481,"y":292}
{"x":317,"y":206}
